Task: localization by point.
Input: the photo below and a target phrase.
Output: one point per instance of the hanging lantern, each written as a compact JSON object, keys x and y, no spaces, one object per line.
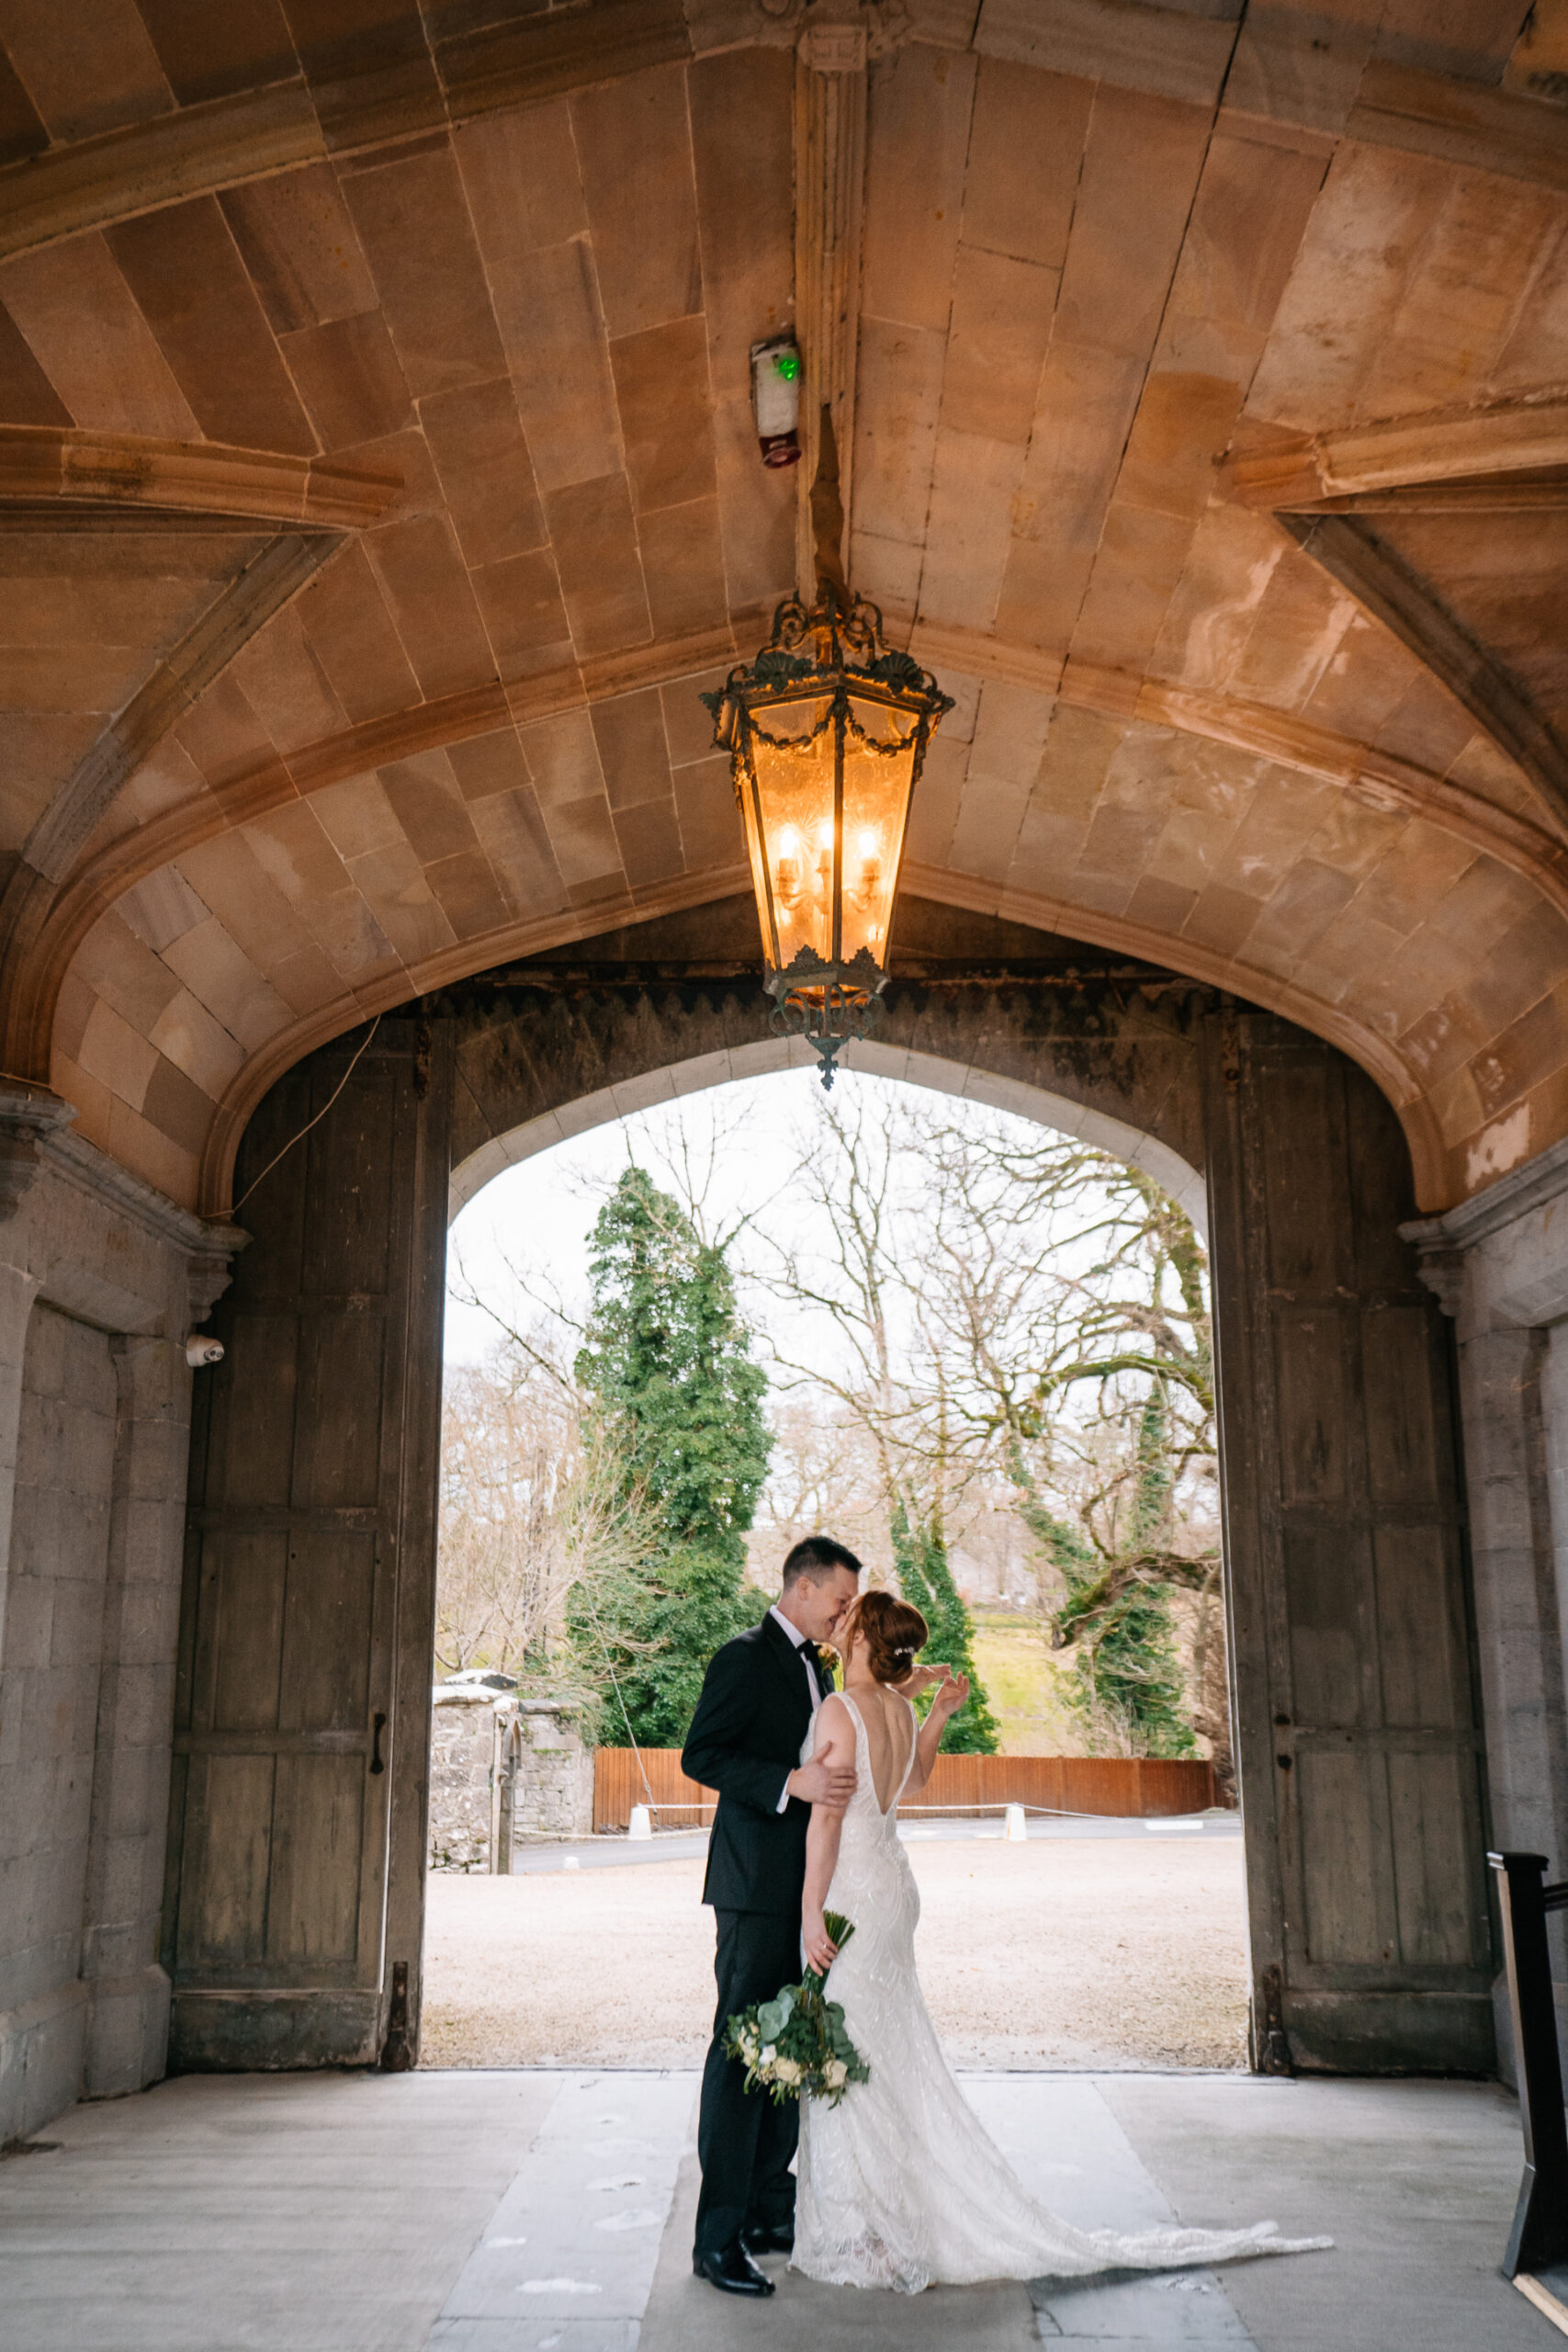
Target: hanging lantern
{"x":827,"y":732}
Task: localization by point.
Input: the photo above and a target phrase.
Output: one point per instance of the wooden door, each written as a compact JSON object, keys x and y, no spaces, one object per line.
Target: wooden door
{"x":302,"y":1708}
{"x":1357,"y":1724}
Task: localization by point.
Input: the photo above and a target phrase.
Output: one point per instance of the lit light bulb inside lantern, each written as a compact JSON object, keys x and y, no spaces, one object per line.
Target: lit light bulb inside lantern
{"x":788,"y":885}
{"x":825,"y":834}
{"x":868,"y":876}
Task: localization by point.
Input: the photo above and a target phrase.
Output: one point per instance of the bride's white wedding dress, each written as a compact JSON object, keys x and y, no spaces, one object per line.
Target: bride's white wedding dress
{"x":899,"y":2184}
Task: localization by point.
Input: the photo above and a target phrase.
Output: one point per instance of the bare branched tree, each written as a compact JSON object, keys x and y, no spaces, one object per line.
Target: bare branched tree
{"x":536,"y":1525}
{"x":1028,"y":1314}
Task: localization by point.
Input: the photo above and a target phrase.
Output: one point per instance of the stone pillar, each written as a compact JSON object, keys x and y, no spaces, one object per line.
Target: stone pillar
{"x":128,"y":2032}
{"x":465,"y":1741}
{"x":554,"y":1791}
{"x":101,"y":1280}
{"x":1553,"y":1392}
{"x":1520,"y":1620}
{"x":1498,"y":1265}
{"x":18,"y":1288}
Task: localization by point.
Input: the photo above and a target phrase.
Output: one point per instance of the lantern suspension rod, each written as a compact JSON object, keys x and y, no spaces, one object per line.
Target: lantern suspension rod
{"x":832,"y":587}
{"x":827,"y":514}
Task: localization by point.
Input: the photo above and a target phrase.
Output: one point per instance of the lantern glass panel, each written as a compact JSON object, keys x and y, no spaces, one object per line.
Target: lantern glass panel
{"x":794,"y":787}
{"x":876,"y":804}
{"x":756,"y":850}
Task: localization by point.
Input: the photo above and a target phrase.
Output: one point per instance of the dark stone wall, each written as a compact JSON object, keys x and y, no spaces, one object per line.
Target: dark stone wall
{"x":972,"y":993}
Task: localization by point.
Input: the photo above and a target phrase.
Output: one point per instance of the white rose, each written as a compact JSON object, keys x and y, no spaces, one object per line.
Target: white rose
{"x":835,"y":2074}
{"x":769,"y":2054}
{"x":788,"y":2071}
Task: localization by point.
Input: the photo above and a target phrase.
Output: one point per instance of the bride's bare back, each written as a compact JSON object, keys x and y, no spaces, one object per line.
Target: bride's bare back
{"x":890,"y":1728}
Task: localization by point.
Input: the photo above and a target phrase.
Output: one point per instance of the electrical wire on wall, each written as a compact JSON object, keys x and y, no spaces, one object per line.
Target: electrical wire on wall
{"x":305,"y":1130}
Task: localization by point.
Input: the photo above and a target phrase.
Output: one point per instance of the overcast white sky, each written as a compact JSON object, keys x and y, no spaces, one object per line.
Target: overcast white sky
{"x":539,"y":1215}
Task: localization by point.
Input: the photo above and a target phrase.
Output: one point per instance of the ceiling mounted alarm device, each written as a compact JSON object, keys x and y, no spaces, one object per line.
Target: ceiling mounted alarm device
{"x":776,"y":399}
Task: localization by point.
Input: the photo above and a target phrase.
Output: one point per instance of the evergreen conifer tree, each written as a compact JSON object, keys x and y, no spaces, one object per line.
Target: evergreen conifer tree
{"x":667,"y":1363}
{"x":919,"y":1554}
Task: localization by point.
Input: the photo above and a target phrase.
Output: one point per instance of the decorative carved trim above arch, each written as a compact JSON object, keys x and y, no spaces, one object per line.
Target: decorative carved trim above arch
{"x":286,"y":515}
{"x":110,"y":473}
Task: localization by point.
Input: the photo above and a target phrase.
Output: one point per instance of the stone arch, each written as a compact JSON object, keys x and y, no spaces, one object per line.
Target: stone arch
{"x":1138,"y":1147}
{"x":1346,"y":1574}
{"x":995,"y":1013}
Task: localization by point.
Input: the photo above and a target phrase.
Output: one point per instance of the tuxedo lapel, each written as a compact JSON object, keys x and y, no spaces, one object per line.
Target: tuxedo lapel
{"x":787,"y":1658}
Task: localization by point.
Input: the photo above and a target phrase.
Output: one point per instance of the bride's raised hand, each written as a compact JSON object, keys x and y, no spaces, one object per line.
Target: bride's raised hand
{"x":951,"y":1695}
{"x":820,"y":1950}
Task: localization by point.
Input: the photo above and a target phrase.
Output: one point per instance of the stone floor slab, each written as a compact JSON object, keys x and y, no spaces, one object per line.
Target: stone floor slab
{"x":686,"y":2315}
{"x":259,"y":2213}
{"x":1414,"y":2181}
{"x":342,"y":2213}
{"x":1183,"y":2307}
{"x":535,"y":2336}
{"x":577,"y":2234}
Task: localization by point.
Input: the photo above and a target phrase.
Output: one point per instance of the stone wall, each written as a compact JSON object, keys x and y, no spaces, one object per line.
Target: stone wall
{"x":100,"y":1282}
{"x":59,"y":1566}
{"x":466,"y":1736}
{"x":1499,"y":1266}
{"x":553,"y":1783}
{"x":504,"y":1770}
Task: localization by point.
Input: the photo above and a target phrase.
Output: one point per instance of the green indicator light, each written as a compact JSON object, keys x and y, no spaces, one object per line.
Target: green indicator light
{"x":788,"y":365}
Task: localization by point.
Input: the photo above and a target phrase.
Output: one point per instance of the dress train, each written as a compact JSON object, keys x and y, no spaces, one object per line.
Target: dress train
{"x":901,"y":2185}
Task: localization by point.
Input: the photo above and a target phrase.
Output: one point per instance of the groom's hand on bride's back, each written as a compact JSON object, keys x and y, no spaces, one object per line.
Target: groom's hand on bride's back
{"x":827,"y":1784}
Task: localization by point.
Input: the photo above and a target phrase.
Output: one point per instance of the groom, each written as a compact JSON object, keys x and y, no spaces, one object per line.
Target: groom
{"x":758,"y":1697}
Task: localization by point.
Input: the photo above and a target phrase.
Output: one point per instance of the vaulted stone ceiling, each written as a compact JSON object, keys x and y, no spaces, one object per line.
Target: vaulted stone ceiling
{"x":379,"y":487}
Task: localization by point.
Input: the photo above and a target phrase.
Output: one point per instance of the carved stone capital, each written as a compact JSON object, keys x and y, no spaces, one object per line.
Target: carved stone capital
{"x":1440,"y":1262}
{"x":29,"y":1114}
{"x":211,"y":1269}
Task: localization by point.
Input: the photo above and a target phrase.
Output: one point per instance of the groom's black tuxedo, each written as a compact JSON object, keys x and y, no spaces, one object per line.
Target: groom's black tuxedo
{"x":745,"y":1741}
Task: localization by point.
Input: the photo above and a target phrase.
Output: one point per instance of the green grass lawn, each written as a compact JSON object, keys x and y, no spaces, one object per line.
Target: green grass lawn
{"x":1025,"y":1684}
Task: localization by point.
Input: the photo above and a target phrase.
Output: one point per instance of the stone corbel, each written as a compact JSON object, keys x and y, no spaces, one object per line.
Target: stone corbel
{"x":29,"y":1114}
{"x":1440,"y":1261}
{"x":211,"y":1269}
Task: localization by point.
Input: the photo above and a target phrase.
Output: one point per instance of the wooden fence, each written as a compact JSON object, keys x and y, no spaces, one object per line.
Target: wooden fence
{"x":962,"y":1784}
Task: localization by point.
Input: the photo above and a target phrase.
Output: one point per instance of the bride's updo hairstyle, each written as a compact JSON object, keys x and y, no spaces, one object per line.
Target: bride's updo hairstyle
{"x":894,"y":1633}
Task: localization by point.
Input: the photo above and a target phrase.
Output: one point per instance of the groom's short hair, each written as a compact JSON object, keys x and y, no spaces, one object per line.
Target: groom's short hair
{"x":817,"y":1557}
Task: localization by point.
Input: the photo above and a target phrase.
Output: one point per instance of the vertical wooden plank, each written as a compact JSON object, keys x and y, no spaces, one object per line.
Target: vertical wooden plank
{"x":312,"y":1566}
{"x":1355,"y":1739}
{"x":411,"y":1470}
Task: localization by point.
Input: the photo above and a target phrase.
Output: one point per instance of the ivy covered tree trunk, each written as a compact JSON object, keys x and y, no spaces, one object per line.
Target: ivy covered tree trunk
{"x":919,"y":1554}
{"x":667,"y":1367}
{"x":1116,"y":1611}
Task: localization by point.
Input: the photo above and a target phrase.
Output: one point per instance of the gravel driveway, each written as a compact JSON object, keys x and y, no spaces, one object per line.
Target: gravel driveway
{"x":1097,"y":1953}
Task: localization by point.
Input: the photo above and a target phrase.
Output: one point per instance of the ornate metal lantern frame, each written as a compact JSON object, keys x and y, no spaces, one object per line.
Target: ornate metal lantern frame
{"x":831,"y":663}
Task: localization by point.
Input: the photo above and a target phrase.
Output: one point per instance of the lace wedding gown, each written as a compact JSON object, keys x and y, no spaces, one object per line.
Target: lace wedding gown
{"x":899,"y":2185}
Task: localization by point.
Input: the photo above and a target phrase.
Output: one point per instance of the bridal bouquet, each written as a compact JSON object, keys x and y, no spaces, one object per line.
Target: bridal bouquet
{"x":794,"y":2046}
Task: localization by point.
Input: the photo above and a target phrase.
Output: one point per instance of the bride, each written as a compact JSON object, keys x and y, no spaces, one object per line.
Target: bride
{"x":899,"y":2185}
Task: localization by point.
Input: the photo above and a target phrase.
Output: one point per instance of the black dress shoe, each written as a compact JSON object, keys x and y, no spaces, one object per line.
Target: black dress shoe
{"x":769,"y":2237}
{"x":732,"y":2271}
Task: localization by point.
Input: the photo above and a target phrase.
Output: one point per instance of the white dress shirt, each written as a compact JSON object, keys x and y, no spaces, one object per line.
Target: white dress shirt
{"x":798,"y":1640}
